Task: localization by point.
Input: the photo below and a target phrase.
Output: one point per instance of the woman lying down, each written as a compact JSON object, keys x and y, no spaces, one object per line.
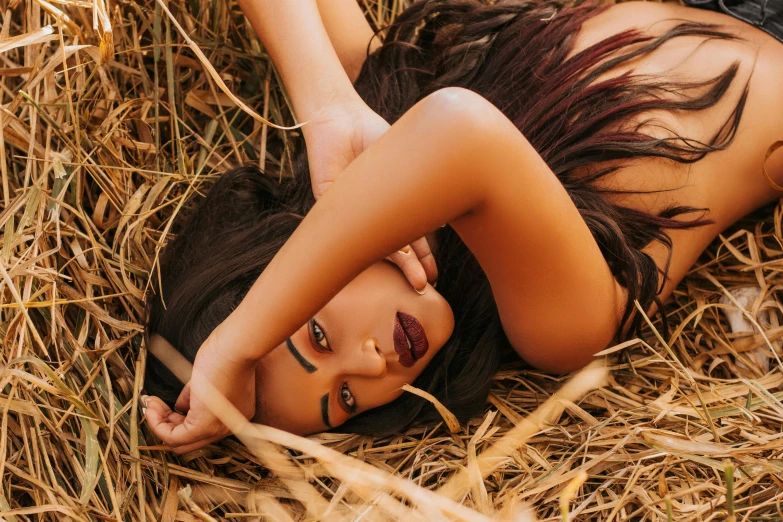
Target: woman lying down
{"x":580,"y":157}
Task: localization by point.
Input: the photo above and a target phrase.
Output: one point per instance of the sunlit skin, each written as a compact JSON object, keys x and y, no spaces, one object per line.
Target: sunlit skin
{"x":350,"y":346}
{"x":557,"y":299}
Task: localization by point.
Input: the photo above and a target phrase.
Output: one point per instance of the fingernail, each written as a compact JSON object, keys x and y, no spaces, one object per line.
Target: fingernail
{"x":422,"y":291}
{"x":144,"y":399}
{"x":404,"y":251}
{"x":143,"y":411}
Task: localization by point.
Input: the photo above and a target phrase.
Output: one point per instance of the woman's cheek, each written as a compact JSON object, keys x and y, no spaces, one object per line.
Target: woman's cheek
{"x":447,"y":322}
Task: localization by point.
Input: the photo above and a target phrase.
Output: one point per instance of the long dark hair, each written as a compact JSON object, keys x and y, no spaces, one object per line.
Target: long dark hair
{"x":515,"y":55}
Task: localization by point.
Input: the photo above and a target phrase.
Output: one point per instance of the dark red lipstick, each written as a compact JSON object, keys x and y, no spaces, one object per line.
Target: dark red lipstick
{"x":410,"y":340}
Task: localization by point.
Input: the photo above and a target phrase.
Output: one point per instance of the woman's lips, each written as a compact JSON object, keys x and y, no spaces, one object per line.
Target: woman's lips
{"x":407,"y":327}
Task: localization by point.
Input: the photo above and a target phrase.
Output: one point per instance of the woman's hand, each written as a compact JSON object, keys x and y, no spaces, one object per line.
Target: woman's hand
{"x":336,"y":136}
{"x":334,"y":139}
{"x":196,"y":425}
{"x":340,"y":125}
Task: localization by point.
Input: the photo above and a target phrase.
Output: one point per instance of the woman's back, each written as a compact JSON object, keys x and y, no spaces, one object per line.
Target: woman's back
{"x":730,"y":183}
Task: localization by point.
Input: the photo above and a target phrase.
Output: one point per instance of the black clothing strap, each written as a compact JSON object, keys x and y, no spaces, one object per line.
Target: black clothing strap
{"x":767,"y":15}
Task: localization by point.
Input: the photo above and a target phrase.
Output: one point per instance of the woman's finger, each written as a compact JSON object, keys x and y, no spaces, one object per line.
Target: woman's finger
{"x":183,"y":401}
{"x":177,"y":430}
{"x":409,"y":263}
{"x":160,"y":418}
{"x":181,"y":450}
{"x":320,"y":188}
{"x":422,"y":249}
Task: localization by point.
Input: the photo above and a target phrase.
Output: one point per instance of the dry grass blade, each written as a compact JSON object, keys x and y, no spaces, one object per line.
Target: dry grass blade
{"x":503,"y":449}
{"x":570,"y":492}
{"x":772,"y":148}
{"x":42,"y":35}
{"x":101,"y":24}
{"x":216,"y":77}
{"x":101,"y":149}
{"x":351,"y":471}
{"x":449,"y":418}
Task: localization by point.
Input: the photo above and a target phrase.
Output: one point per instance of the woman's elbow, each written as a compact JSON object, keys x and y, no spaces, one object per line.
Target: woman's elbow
{"x":568,"y":355}
{"x":460,"y":110}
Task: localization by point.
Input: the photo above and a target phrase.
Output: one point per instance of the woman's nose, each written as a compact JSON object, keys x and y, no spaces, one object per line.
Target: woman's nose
{"x":367,"y":360}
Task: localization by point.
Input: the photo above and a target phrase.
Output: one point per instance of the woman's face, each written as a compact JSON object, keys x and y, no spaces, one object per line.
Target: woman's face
{"x":374,"y":336}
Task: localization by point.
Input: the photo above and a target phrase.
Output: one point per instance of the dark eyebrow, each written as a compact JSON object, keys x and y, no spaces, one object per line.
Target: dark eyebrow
{"x":307,"y":365}
{"x":325,"y":411}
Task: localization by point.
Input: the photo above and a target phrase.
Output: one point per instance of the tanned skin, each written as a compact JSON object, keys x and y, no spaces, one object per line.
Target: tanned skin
{"x":454,"y":158}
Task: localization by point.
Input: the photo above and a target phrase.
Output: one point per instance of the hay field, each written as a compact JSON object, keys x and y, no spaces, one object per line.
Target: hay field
{"x":110,"y":123}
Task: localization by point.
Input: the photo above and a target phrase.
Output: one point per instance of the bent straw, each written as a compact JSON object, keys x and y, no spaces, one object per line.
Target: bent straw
{"x":291,"y":476}
{"x":591,"y":377}
{"x":42,"y":35}
{"x":748,"y":315}
{"x":449,"y":418}
{"x":353,"y":471}
{"x":216,"y":77}
{"x":348,"y":469}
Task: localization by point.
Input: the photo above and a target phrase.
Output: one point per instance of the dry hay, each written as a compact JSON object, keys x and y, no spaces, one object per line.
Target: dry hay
{"x":110,"y":123}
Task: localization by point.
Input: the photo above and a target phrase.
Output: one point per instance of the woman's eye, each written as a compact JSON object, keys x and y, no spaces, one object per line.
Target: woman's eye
{"x":347,"y":397}
{"x":319,"y":336}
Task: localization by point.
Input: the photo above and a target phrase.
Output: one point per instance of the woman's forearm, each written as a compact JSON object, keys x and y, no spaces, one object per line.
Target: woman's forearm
{"x":453,"y":158}
{"x":349,"y":32}
{"x":416,"y":177}
{"x":294,"y":35}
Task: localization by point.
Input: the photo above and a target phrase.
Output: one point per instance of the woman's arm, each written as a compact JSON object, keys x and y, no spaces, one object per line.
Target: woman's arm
{"x":452,"y":158}
{"x":341,"y":125}
{"x":293,"y":34}
{"x":349,"y":33}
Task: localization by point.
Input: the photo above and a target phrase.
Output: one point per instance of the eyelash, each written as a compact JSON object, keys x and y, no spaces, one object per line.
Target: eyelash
{"x":316,"y":343}
{"x":351,"y":407}
{"x":326,"y":349}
